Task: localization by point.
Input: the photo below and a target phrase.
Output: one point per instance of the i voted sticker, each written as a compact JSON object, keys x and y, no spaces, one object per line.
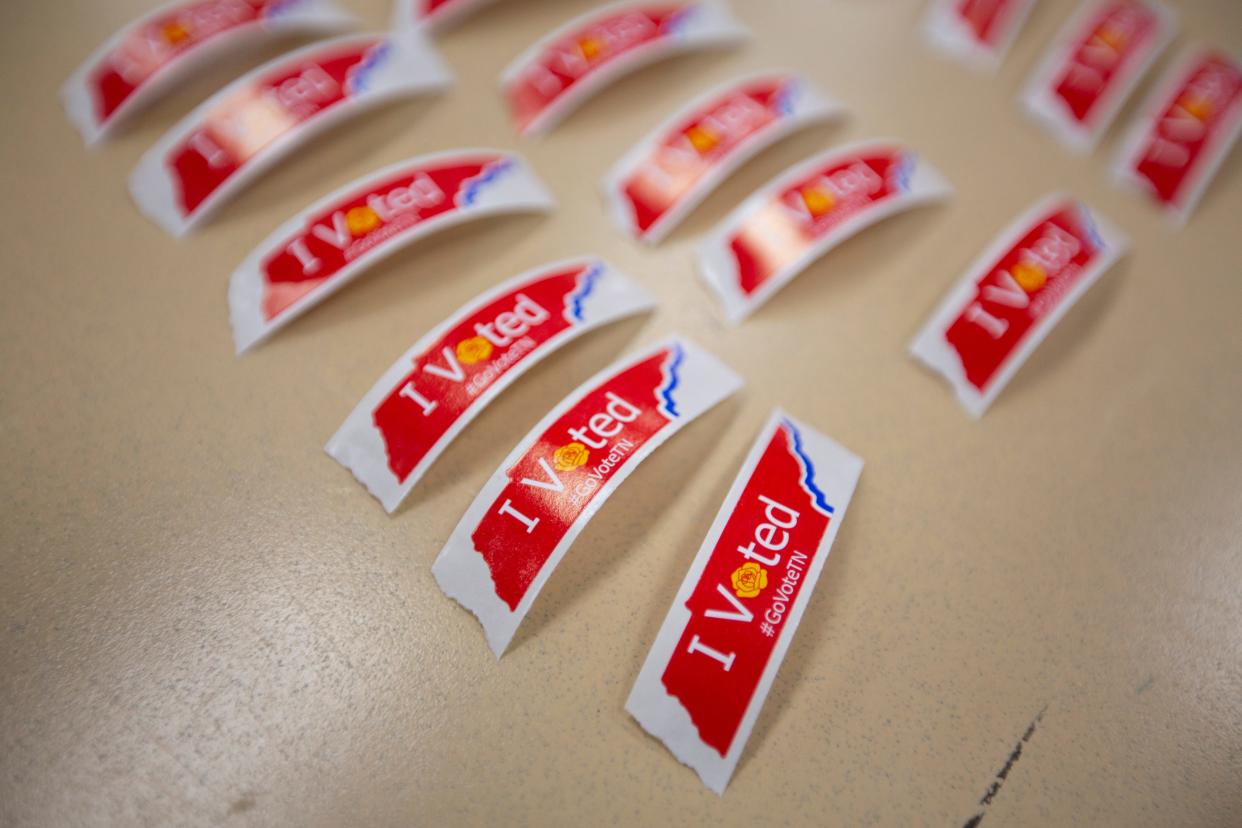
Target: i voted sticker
{"x":977,"y":32}
{"x":565,"y":68}
{"x":254,"y":122}
{"x":1012,"y":296}
{"x":527,"y":516}
{"x":721,"y":644}
{"x":441,"y":383}
{"x":805,"y":212}
{"x":317,"y":252}
{"x":668,"y":173}
{"x":433,"y":15}
{"x":150,"y":56}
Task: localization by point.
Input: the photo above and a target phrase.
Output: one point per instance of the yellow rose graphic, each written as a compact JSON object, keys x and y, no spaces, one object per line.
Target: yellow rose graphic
{"x":1030,"y":277}
{"x":1198,"y":106}
{"x":175,"y":32}
{"x":749,"y":579}
{"x":701,"y":138}
{"x":361,"y":220}
{"x":570,"y":456}
{"x":817,"y":201}
{"x":473,"y":350}
{"x":591,"y":47}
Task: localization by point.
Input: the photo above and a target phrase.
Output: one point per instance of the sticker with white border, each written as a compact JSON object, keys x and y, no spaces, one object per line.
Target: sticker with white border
{"x":805,"y":212}
{"x":319,"y":251}
{"x":668,"y":173}
{"x":1184,"y":132}
{"x":433,"y":15}
{"x":1094,"y":64}
{"x":554,"y":76}
{"x":978,"y":33}
{"x":450,"y":375}
{"x":549,"y":487}
{"x":263,"y":116}
{"x":720,"y":646}
{"x":1009,"y":299}
{"x":153,"y":54}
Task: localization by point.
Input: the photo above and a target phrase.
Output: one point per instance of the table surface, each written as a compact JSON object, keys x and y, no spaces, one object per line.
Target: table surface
{"x":205,"y":620}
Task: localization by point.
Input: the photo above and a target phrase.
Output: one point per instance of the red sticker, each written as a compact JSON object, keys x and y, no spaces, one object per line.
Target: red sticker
{"x":715,"y":657}
{"x":670,"y":171}
{"x":151,"y":54}
{"x":1094,"y":64}
{"x":807,"y":211}
{"x":316,"y":253}
{"x":433,"y":14}
{"x":976,"y":31}
{"x":1187,"y":128}
{"x":448,"y":376}
{"x":250,"y":124}
{"x":563,"y":69}
{"x":526,"y":517}
{"x":1010,"y":298}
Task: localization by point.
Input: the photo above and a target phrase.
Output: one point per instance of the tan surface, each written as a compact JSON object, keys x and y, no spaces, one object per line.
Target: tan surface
{"x":204,"y":620}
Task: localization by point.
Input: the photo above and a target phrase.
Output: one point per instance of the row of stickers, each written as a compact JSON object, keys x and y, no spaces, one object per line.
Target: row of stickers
{"x":717,"y":653}
{"x":1093,"y":65}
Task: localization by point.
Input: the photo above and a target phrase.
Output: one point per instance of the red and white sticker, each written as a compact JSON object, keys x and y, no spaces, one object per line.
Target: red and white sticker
{"x":433,"y":15}
{"x":668,"y":173}
{"x":154,"y":53}
{"x":319,"y":251}
{"x":438,"y":386}
{"x":718,"y":651}
{"x":1184,"y":131}
{"x":548,"y":488}
{"x":260,"y":118}
{"x":807,"y":211}
{"x":1094,"y":64}
{"x":563,"y":69}
{"x":976,"y":32}
{"x":1012,"y":296}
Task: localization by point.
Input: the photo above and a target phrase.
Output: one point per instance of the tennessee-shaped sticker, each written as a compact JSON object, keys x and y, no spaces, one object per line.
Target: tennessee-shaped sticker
{"x":151,"y":55}
{"x":669,"y":172}
{"x":717,"y":653}
{"x":976,"y":32}
{"x":438,"y":386}
{"x":1184,"y":131}
{"x":258,"y":119}
{"x":804,"y":213}
{"x":433,"y":15}
{"x":548,"y":488}
{"x":317,"y":252}
{"x":1094,"y":64}
{"x":563,"y":69}
{"x":1012,"y":296}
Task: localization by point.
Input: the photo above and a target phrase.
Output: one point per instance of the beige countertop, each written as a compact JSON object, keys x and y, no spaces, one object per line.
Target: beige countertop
{"x":205,"y":620}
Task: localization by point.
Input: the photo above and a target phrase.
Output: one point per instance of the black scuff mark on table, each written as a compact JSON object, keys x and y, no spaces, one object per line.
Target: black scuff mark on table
{"x":1003,"y":773}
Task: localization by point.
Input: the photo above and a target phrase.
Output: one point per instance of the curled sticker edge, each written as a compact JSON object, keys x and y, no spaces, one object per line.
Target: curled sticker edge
{"x":404,"y":15}
{"x":943,"y":32}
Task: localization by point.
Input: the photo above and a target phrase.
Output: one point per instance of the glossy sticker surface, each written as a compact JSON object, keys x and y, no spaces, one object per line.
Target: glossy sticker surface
{"x":1013,"y":295}
{"x":1184,"y":132}
{"x":976,"y":32}
{"x":562,"y":70}
{"x":437,"y":387}
{"x":672,"y":170}
{"x":433,"y":15}
{"x":807,"y":211}
{"x":1094,"y":64}
{"x":317,"y":252}
{"x":151,"y":55}
{"x":527,"y":516}
{"x":722,"y":643}
{"x":257,"y":120}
